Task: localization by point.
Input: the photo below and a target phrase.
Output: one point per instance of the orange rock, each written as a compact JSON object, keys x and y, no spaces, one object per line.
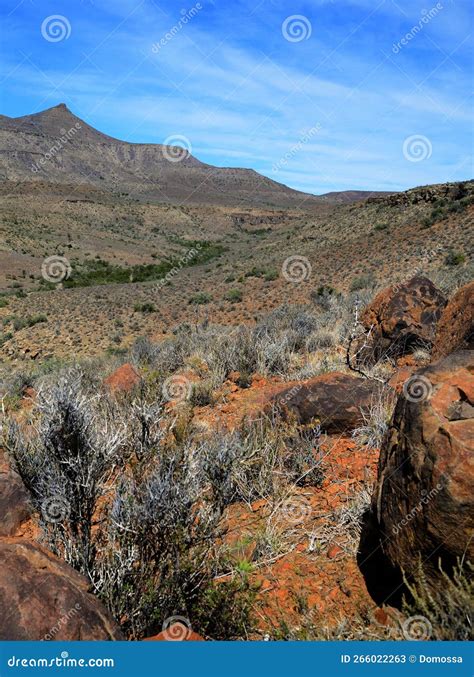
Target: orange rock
{"x":423,"y":500}
{"x":455,"y":330}
{"x":381,"y":616}
{"x":123,"y":380}
{"x":334,"y":551}
{"x":43,"y":598}
{"x":400,"y":317}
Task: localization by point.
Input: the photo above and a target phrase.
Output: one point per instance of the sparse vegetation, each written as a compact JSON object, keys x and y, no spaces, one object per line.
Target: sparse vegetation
{"x":362,"y":282}
{"x":234,"y":295}
{"x":450,"y":612}
{"x":144,"y":308}
{"x":454,"y":258}
{"x":99,"y":271}
{"x":201,"y":298}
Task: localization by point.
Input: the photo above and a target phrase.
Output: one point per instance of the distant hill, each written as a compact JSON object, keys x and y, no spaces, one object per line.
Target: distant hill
{"x":56,"y":146}
{"x":347,"y":196}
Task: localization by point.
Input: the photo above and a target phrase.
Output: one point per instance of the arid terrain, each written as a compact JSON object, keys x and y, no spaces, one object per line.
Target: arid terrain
{"x":230,"y":410}
{"x":348,"y":243}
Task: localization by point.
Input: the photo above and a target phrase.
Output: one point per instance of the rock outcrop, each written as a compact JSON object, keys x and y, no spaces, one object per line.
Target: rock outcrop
{"x":42,"y":598}
{"x":455,"y":329}
{"x":14,"y":504}
{"x":336,"y":401}
{"x":123,"y":380}
{"x":424,"y":497}
{"x":402,"y":317}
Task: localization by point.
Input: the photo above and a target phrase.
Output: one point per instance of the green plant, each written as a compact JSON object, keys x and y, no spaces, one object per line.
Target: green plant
{"x":226,"y":610}
{"x":22,"y":322}
{"x":146,"y":307}
{"x":454,"y":258}
{"x":201,"y":298}
{"x":234,"y":295}
{"x":362,"y":282}
{"x":99,"y":271}
{"x":5,"y":337}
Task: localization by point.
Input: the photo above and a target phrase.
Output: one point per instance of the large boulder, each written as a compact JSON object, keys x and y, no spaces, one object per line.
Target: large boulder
{"x":42,"y":598}
{"x":336,"y":401}
{"x":14,"y":504}
{"x":424,"y":497}
{"x":401,"y":317}
{"x":455,"y":329}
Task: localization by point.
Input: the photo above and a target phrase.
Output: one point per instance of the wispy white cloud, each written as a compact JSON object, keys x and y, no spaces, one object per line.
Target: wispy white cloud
{"x":245,"y":97}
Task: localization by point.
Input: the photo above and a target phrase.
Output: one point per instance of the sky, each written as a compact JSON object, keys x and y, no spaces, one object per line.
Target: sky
{"x":322,"y":95}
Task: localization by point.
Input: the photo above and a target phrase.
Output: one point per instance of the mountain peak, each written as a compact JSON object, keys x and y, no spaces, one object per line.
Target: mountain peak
{"x":59,"y":108}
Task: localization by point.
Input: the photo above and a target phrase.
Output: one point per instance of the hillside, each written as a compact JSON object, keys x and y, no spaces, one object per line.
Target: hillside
{"x":110,"y":240}
{"x":57,"y":146}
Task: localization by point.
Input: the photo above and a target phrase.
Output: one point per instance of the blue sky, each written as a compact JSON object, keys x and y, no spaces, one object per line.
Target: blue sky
{"x":329,"y":100}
